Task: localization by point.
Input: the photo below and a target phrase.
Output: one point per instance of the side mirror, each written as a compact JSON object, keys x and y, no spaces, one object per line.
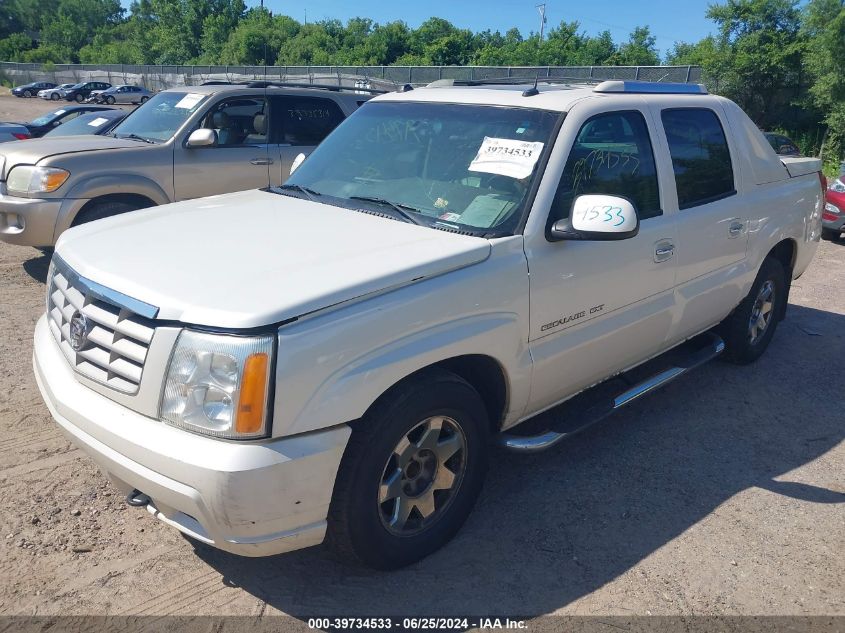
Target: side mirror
{"x":597,"y":217}
{"x":202,"y":137}
{"x":297,"y":162}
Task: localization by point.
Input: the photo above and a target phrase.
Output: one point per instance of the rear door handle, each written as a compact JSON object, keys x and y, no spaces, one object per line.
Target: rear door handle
{"x":736,"y":229}
{"x":262,"y":161}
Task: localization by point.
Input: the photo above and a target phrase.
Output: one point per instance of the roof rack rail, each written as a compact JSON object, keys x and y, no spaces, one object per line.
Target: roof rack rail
{"x":332,"y":88}
{"x":506,"y":81}
{"x":651,"y":87}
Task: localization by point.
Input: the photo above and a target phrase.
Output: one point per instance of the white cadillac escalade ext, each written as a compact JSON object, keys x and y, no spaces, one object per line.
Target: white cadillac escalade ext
{"x":332,"y":359}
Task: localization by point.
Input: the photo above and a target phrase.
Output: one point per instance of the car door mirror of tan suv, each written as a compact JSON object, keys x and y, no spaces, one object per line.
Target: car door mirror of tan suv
{"x":202,"y":137}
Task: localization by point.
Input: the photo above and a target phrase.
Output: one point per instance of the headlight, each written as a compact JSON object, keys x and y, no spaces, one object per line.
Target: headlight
{"x":31,"y":179}
{"x":219,"y":384}
{"x":837,"y":186}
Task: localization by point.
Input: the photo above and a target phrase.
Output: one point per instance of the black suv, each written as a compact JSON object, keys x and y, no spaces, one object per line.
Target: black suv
{"x":80,"y":92}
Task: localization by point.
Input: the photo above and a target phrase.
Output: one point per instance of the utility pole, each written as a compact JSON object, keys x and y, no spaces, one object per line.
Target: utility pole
{"x":542,"y":9}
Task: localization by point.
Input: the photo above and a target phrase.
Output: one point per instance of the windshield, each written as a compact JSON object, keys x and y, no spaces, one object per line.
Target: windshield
{"x":464,"y":166}
{"x":159,"y":118}
{"x":85,"y":124}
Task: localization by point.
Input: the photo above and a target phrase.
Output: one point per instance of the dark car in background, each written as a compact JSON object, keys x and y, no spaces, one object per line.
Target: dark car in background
{"x":783,"y":145}
{"x":30,"y":90}
{"x":46,"y":122}
{"x":100,"y":122}
{"x":81,"y":91}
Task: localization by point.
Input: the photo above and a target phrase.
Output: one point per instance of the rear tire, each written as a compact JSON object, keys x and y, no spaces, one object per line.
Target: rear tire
{"x":830,"y":234}
{"x":411,"y":473}
{"x":144,"y":100}
{"x":750,"y":328}
{"x":100,"y":210}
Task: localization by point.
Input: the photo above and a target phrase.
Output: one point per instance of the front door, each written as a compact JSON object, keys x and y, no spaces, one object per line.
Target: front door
{"x":598,"y":307}
{"x":239,"y":161}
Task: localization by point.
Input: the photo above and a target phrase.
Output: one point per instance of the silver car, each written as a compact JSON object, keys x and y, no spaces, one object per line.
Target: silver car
{"x":123,"y":94}
{"x":54,"y":94}
{"x":183,"y":143}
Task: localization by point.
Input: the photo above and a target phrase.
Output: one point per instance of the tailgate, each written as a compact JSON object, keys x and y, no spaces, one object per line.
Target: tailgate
{"x":801,"y":166}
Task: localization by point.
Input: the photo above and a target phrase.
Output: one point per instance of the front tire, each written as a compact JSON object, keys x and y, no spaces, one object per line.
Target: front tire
{"x":110,"y":100}
{"x":750,"y":328}
{"x":411,"y":473}
{"x":27,"y":94}
{"x":54,"y":97}
{"x":80,"y":98}
{"x":100,"y":210}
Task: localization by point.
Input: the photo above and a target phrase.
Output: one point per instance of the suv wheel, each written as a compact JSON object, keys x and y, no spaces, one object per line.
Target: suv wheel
{"x":100,"y":210}
{"x":411,"y":473}
{"x":752,"y":325}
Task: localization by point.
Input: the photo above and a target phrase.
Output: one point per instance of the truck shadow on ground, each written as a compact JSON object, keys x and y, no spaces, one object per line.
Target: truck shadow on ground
{"x":554,"y":527}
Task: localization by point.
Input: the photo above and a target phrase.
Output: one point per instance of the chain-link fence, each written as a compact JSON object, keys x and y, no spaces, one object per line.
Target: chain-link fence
{"x":156,"y":77}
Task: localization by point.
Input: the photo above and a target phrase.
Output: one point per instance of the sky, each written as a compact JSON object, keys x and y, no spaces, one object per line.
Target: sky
{"x":670,"y":20}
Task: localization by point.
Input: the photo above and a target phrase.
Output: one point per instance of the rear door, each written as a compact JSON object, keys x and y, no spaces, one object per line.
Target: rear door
{"x":711,"y":218}
{"x":240,"y":160}
{"x":299,"y":124}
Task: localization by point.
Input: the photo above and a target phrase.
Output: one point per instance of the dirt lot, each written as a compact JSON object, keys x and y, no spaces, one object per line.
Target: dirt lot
{"x":15,"y":109}
{"x":722,"y":494}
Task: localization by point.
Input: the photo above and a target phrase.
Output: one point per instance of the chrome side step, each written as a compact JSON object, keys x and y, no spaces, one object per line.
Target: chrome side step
{"x":560,"y":431}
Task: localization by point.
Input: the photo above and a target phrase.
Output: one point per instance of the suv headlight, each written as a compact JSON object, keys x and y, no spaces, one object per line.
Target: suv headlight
{"x":219,"y":384}
{"x":32,"y":179}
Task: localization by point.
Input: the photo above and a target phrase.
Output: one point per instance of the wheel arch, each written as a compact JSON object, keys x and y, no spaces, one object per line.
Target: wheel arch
{"x":484,"y":373}
{"x":785,"y":252}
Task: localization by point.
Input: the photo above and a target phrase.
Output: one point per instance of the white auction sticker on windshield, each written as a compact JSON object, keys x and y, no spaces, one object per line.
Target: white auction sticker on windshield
{"x":506,"y":157}
{"x":189,"y":101}
{"x":98,"y":121}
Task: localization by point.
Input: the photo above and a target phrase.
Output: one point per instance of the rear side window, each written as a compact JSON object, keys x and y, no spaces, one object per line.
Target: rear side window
{"x":612,"y":155}
{"x":700,"y":156}
{"x":306,"y":120}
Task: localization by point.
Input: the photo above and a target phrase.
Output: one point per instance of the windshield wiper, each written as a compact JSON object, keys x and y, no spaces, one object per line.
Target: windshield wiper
{"x":309,"y":193}
{"x":401,"y":209}
{"x":135,"y":137}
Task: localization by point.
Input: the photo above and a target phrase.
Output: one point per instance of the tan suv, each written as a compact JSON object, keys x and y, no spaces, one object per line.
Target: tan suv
{"x":183,"y":143}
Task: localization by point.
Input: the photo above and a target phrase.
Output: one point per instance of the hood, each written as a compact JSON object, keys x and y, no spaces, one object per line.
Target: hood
{"x":34,"y":150}
{"x":254,"y":258}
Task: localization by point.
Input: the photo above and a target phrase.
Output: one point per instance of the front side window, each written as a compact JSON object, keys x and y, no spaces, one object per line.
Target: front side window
{"x":612,"y":155}
{"x":700,"y":156}
{"x":306,"y":121}
{"x":454,"y":166}
{"x":238,"y":122}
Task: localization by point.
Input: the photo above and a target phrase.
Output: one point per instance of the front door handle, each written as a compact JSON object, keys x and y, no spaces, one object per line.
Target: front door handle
{"x":261,"y":161}
{"x":736,"y":228}
{"x":663,"y":251}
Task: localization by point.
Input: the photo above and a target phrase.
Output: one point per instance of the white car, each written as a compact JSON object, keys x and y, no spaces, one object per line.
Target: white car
{"x":330,"y":360}
{"x":54,"y":94}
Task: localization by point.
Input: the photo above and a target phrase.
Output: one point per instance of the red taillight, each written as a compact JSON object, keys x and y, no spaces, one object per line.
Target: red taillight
{"x":823,"y":180}
{"x":829,"y":217}
{"x":20,"y":137}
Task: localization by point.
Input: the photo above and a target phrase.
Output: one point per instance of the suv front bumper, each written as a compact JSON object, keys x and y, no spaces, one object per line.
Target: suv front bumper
{"x":248,"y":498}
{"x":32,"y":221}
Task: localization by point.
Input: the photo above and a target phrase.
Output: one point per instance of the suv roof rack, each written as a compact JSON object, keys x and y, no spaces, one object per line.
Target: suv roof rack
{"x":651,"y":87}
{"x":507,"y":81}
{"x":332,"y":88}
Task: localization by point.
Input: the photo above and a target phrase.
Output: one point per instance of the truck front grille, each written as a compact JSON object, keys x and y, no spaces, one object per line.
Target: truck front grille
{"x":102,"y":339}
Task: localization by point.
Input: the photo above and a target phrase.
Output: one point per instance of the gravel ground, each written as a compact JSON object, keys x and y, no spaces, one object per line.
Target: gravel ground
{"x":721,"y":494}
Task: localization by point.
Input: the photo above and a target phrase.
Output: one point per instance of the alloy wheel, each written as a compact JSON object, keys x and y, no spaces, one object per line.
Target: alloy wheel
{"x":761,"y":312}
{"x":422,"y":476}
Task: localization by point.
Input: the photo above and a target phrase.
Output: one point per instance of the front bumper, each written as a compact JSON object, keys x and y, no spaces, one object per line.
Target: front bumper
{"x":248,"y":498}
{"x":33,"y":221}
